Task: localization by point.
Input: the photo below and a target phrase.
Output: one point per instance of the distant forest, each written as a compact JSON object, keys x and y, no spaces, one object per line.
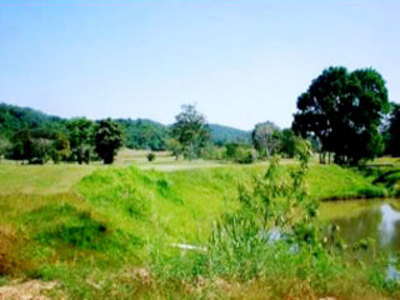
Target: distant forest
{"x":138,"y":134}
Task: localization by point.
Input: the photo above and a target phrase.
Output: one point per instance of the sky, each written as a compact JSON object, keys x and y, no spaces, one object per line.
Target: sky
{"x":241,"y":62}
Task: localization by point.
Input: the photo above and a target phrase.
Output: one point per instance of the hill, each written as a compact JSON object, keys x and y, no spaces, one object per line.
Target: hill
{"x":14,"y":118}
{"x":139,"y":133}
{"x":225,"y":134}
{"x":144,"y":134}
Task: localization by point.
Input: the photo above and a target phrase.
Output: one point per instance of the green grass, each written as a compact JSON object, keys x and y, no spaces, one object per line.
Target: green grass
{"x":89,"y":225}
{"x":47,"y":179}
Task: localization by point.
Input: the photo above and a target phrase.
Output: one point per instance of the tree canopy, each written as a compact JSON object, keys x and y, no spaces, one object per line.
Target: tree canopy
{"x":191,"y":131}
{"x":108,"y":139}
{"x":344,"y":111}
{"x":265,"y":138}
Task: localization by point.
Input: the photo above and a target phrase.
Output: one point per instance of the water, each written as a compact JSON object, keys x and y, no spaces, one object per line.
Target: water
{"x":368,"y":219}
{"x":376,"y":220}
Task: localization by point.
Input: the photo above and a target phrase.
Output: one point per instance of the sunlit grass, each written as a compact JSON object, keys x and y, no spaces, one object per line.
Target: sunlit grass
{"x":90,"y":227}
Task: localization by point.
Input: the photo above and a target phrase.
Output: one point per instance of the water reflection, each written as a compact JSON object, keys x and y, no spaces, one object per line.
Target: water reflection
{"x":379,"y":221}
{"x":389,"y":226}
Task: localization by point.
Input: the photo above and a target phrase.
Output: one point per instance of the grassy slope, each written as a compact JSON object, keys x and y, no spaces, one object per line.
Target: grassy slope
{"x":101,"y":225}
{"x":47,"y":179}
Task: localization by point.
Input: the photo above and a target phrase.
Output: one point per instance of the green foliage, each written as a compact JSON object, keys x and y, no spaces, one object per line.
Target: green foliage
{"x":61,"y":149}
{"x":108,"y":139}
{"x":242,"y":246}
{"x":151,"y":156}
{"x":5,"y":146}
{"x":80,"y":133}
{"x":289,"y":143}
{"x":34,"y":146}
{"x":213,"y":152}
{"x":344,"y":111}
{"x":240,"y":153}
{"x":144,"y":134}
{"x":191,"y":132}
{"x":14,"y":119}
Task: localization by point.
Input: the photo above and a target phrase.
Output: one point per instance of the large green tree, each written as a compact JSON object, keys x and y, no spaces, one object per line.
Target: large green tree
{"x":108,"y":139}
{"x":191,"y":131}
{"x":344,"y":111}
{"x":80,"y":134}
{"x":289,"y":143}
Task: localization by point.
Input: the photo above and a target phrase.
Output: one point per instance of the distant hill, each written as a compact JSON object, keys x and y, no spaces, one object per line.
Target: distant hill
{"x":144,"y":134}
{"x":14,"y":118}
{"x":139,"y":133}
{"x":226,"y":134}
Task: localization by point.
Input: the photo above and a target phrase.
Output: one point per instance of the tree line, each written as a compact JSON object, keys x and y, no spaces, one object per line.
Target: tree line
{"x":80,"y":141}
{"x":345,"y":115}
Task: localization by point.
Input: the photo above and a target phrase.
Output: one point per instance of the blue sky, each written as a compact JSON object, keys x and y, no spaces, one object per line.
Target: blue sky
{"x":242,"y":62}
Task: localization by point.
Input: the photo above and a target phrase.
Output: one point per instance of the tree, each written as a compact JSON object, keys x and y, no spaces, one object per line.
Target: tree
{"x":61,"y":149}
{"x":344,"y":111}
{"x":108,"y":139}
{"x":80,"y":133}
{"x":191,"y":131}
{"x":22,"y":145}
{"x":393,"y":132}
{"x":34,"y":146}
{"x":265,"y":138}
{"x":288,"y":143}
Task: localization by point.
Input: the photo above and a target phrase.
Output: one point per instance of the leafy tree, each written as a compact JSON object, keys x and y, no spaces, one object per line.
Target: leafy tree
{"x":22,"y":145}
{"x":266,"y":138}
{"x":393,"y":132}
{"x":33,"y":146}
{"x":60,"y":149}
{"x":191,"y":131}
{"x":80,"y":133}
{"x":288,"y":143}
{"x":41,"y":150}
{"x":344,"y":110}
{"x":108,"y":139}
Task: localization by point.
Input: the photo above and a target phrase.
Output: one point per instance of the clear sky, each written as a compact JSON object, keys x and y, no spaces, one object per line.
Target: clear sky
{"x":242,"y":62}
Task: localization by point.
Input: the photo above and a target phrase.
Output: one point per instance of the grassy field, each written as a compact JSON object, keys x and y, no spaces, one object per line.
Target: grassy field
{"x":93,"y":230}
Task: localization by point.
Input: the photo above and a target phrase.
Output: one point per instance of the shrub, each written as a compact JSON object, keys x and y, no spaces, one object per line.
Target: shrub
{"x":245,"y":156}
{"x":151,"y":156}
{"x":240,"y":153}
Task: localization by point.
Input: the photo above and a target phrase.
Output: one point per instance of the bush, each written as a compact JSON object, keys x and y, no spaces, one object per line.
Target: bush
{"x":212,"y":152}
{"x":240,"y":153}
{"x":245,"y":156}
{"x":151,"y":156}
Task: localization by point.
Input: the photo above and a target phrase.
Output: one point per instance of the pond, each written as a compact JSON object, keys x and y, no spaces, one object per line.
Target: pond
{"x":359,"y":219}
{"x":378,"y":220}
